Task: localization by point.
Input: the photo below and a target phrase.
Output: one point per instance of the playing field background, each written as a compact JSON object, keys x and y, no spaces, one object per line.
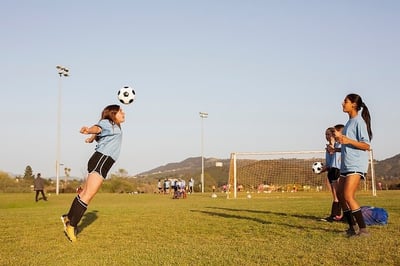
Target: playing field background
{"x":152,"y":229}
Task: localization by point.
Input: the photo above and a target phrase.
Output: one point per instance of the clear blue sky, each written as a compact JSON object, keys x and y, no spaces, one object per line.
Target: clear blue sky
{"x":271,"y":74}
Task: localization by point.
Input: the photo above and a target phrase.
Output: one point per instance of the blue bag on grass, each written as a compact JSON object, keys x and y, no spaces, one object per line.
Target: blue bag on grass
{"x":374,"y":215}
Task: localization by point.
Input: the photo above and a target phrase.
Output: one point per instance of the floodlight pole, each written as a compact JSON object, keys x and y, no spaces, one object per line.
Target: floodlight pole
{"x":202,"y":115}
{"x":62,"y":72}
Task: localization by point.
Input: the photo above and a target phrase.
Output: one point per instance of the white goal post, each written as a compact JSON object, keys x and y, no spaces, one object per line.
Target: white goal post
{"x":256,"y":173}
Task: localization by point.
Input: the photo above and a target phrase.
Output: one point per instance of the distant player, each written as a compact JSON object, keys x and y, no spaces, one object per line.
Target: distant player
{"x":38,"y":186}
{"x":109,"y":137}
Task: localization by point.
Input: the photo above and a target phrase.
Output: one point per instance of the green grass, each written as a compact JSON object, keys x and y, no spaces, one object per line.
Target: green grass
{"x":147,"y":229}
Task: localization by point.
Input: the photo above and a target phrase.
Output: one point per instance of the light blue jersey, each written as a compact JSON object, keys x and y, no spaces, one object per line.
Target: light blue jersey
{"x":353,"y":159}
{"x":333,"y":160}
{"x":110,"y":139}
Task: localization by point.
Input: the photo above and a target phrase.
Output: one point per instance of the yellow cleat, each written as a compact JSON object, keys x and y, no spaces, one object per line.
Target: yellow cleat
{"x":68,"y":229}
{"x":70,"y":233}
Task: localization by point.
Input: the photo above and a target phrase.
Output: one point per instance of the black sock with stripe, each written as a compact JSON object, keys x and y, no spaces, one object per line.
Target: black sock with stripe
{"x":359,"y":218}
{"x":78,"y":208}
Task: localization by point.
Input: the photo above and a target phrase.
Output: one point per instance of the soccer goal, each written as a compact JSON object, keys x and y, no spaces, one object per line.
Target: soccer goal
{"x":255,"y":174}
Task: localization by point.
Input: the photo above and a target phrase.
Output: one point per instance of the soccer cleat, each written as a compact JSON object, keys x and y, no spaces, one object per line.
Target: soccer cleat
{"x":362,"y":233}
{"x":70,"y":233}
{"x":350,"y":232}
{"x":69,"y":230}
{"x":339,"y":219}
{"x":328,"y":219}
{"x":65,"y":220}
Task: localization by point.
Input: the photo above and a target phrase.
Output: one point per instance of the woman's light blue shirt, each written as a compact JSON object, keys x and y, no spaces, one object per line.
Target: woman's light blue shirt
{"x":110,"y":139}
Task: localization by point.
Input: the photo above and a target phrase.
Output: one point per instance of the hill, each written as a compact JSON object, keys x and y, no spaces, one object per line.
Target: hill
{"x":188,"y":165}
{"x":216,"y":171}
{"x":388,"y":168}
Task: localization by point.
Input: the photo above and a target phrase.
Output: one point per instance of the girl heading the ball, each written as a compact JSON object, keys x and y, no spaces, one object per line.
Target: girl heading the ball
{"x":355,"y":139}
{"x":108,"y":134}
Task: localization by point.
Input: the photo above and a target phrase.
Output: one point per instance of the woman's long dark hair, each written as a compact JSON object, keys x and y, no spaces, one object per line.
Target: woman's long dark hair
{"x":110,"y":112}
{"x":355,"y":98}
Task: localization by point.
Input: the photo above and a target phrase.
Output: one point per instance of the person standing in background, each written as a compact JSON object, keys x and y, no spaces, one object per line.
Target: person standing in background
{"x":38,"y":186}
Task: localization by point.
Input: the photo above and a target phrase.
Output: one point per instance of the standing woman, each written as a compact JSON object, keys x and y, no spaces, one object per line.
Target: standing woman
{"x":109,"y":137}
{"x":355,"y":139}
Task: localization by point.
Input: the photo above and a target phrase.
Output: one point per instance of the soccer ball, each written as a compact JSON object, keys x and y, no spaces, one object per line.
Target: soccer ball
{"x":126,"y":95}
{"x":317,"y":167}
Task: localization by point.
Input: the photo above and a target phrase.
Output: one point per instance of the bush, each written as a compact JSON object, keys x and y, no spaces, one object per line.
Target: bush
{"x":10,"y":184}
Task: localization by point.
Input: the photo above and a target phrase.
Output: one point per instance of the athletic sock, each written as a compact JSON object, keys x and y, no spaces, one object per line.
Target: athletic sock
{"x":336,"y":209}
{"x":333,"y":209}
{"x":349,"y":218}
{"x":359,"y":218}
{"x":78,"y":208}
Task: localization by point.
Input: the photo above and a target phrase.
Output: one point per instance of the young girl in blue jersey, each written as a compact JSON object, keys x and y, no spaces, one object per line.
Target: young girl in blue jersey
{"x":355,"y":140}
{"x":332,"y":166}
{"x":108,"y":135}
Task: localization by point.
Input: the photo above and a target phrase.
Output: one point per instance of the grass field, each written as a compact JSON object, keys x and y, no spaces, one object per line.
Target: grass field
{"x":146,"y":229}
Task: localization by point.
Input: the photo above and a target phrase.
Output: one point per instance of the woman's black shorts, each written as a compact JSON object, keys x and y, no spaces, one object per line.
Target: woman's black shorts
{"x":100,"y":163}
{"x":361,"y":174}
{"x":333,"y":174}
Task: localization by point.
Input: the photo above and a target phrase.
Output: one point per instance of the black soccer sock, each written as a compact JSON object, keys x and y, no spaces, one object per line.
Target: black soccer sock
{"x":349,"y":218}
{"x":78,"y":208}
{"x":336,"y":209}
{"x":359,"y":218}
{"x":333,"y":209}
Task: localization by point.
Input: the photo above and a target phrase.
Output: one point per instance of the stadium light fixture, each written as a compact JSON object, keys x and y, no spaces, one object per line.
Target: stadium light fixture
{"x":62,"y":72}
{"x":202,"y":116}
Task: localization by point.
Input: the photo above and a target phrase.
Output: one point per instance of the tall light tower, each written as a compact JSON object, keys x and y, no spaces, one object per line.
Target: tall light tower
{"x":62,"y":72}
{"x":202,"y":115}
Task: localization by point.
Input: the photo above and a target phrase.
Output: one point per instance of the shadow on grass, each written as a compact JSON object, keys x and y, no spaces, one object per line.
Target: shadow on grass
{"x":262,"y":221}
{"x":311,"y":217}
{"x":87,"y":219}
{"x":225,"y":215}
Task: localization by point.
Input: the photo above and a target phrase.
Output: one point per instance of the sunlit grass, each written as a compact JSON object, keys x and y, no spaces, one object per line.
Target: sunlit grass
{"x":147,"y":229}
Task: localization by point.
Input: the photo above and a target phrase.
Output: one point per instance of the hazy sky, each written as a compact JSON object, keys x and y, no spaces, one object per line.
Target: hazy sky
{"x":271,"y":74}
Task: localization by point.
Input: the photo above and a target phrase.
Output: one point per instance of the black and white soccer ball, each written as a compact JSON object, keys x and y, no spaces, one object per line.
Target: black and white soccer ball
{"x":126,"y":95}
{"x":317,"y":167}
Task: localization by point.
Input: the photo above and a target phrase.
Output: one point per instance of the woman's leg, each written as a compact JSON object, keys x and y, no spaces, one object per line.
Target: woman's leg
{"x":81,"y":201}
{"x":91,"y":186}
{"x":340,"y":191}
{"x":350,"y":189}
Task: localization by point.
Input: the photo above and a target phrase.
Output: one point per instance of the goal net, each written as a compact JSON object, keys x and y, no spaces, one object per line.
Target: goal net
{"x":256,"y":174}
